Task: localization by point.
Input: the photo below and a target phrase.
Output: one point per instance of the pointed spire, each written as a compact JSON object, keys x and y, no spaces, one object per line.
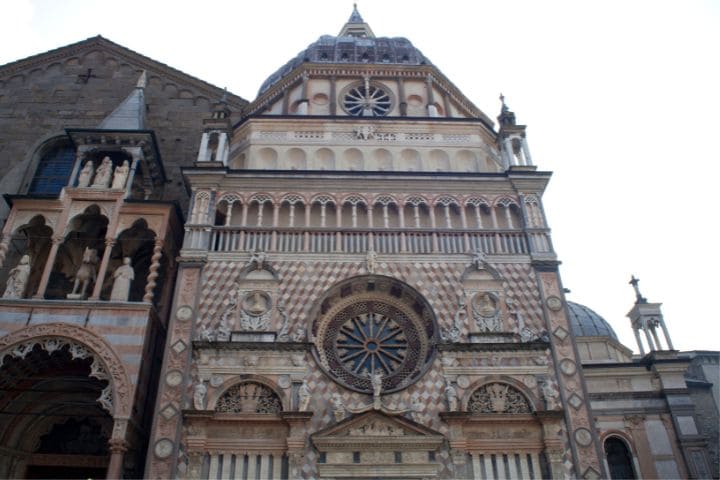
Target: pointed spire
{"x":356,"y":26}
{"x":130,"y":114}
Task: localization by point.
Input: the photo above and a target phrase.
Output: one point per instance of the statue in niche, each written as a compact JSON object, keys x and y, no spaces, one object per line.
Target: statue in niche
{"x":452,"y":397}
{"x":123,"y":275}
{"x":338,"y":407}
{"x":18,"y":279}
{"x":120,"y":175}
{"x":550,"y":394}
{"x":86,"y":174}
{"x":86,"y":274}
{"x":304,"y":395}
{"x":199,"y":393}
{"x":478,"y":259}
{"x":453,"y":333}
{"x":103,"y":174}
{"x":258,"y":259}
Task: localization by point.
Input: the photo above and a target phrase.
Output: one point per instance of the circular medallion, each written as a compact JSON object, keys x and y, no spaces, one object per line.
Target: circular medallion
{"x":184,"y":313}
{"x":216,"y":380}
{"x":553,"y":303}
{"x":174,"y":378}
{"x":485,"y":304}
{"x":163,"y":448}
{"x":463,"y":381}
{"x":583,"y":436}
{"x":284,"y":381}
{"x":386,"y":329}
{"x":367,"y":99}
{"x":568,"y":367}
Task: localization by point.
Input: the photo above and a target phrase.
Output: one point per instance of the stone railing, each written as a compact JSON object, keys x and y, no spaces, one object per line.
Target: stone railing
{"x":387,"y":241}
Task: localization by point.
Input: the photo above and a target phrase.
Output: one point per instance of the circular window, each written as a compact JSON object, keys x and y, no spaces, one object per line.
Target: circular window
{"x":370,"y":325}
{"x":367,"y":99}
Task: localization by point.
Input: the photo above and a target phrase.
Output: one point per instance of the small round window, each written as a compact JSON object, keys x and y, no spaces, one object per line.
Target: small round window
{"x":367,"y":99}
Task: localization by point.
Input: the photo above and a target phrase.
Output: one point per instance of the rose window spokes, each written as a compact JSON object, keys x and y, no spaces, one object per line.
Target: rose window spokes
{"x":367,"y":101}
{"x":369,"y":342}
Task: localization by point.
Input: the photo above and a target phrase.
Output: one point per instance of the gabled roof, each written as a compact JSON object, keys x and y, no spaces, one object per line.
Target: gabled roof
{"x":143,"y":62}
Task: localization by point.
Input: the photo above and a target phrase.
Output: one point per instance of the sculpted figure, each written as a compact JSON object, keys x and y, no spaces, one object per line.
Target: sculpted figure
{"x":123,"y":275}
{"x":478,"y":259}
{"x":205,"y":334}
{"x":452,"y":397}
{"x":304,"y":396}
{"x":338,"y":407}
{"x":86,"y":174}
{"x":371,"y":260}
{"x":120,"y":176}
{"x":376,"y":381}
{"x":299,"y":334}
{"x":86,"y":274}
{"x":283,"y":335}
{"x":258,"y":259}
{"x":103,"y":174}
{"x":199,"y":393}
{"x":17,"y":280}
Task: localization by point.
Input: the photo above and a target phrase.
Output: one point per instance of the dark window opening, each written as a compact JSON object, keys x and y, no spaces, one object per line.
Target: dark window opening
{"x":53,"y":171}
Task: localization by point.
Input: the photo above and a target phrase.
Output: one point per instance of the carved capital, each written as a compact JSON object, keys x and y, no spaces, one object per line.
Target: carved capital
{"x":117,"y":445}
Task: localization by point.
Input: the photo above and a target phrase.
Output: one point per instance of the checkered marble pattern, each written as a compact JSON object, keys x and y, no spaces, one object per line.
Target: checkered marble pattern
{"x":303,"y":283}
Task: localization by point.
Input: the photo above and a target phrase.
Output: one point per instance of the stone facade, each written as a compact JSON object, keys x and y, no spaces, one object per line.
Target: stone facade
{"x":361,"y":283}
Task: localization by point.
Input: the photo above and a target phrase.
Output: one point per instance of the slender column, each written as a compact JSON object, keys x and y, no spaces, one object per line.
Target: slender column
{"x":655,"y":337}
{"x":509,"y":150}
{"x":264,"y":467}
{"x":667,"y":334}
{"x":286,"y":101}
{"x":154,"y":266}
{"x":354,"y":215}
{"x":512,"y":468}
{"x":432,"y":217}
{"x":226,"y":466}
{"x":487,"y":460}
{"x":401,"y":215}
{"x":117,"y":448}
{"x":261,"y":206}
{"x":322,"y":214}
{"x":477,"y":469}
{"x":401,"y":97}
{"x":493,"y":215}
{"x":243,"y":219}
{"x":535,"y":465}
{"x":229,"y":214}
{"x":338,"y":216}
{"x":526,"y":151}
{"x":333,"y":101}
{"x":221,"y":155}
{"x":338,"y":224}
{"x":416,"y":214}
{"x":446,"y":102}
{"x":276,"y":215}
{"x":651,"y":346}
{"x":109,"y":244}
{"x":214,"y":464}
{"x":252,"y":466}
{"x":370,"y":216}
{"x":386,"y":219}
{"x":277,"y":465}
{"x":501,"y":466}
{"x":463,"y":217}
{"x":431,"y":108}
{"x":57,"y":240}
{"x":131,"y":175}
{"x":291,"y":216}
{"x":308,"y":211}
{"x":478,"y":216}
{"x":508,"y":217}
{"x":448,"y":220}
{"x":202,"y":153}
{"x":639,"y":341}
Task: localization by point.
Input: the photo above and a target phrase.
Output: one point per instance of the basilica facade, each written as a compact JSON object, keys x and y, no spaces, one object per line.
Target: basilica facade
{"x":351,"y":276}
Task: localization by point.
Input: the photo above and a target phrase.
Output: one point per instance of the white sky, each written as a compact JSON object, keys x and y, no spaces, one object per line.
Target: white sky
{"x":620,"y":97}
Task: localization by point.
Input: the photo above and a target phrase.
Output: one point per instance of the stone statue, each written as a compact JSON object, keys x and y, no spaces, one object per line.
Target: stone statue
{"x":376,"y":381}
{"x":304,"y":396}
{"x":299,"y":334}
{"x":478,"y":259}
{"x":205,"y":334}
{"x":199,"y":393}
{"x":18,"y":278}
{"x":416,"y":407}
{"x":86,"y":274}
{"x":86,"y":174}
{"x":371,"y":261}
{"x":123,"y":275}
{"x":338,"y":407}
{"x":120,"y":176}
{"x":452,"y":397}
{"x":258,"y":259}
{"x":223,"y":332}
{"x":103,"y":174}
{"x":550,"y":394}
{"x":284,"y":333}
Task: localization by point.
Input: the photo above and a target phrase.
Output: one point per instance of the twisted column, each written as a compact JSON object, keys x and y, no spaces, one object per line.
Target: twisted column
{"x":154,"y":267}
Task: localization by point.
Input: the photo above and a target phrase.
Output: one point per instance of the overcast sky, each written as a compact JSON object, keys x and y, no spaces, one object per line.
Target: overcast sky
{"x":620,"y":99}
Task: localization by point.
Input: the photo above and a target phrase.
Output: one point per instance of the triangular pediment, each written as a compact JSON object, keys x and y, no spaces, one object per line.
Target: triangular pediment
{"x":375,"y":425}
{"x":122,"y":54}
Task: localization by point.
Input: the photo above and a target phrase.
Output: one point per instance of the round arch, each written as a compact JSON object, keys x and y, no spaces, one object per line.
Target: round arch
{"x":532,"y":400}
{"x":249,"y":378}
{"x":84,"y":343}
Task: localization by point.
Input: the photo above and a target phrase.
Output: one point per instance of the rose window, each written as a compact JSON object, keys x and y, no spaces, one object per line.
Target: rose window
{"x":385,"y":329}
{"x":367,"y":99}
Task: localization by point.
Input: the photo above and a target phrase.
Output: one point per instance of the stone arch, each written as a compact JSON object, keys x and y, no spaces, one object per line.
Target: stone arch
{"x":34,"y":238}
{"x":136,"y":242}
{"x":267,"y":389}
{"x":23,"y":180}
{"x":410,"y":160}
{"x":383,"y":159}
{"x":324,"y":159}
{"x":620,"y":456}
{"x":517,"y":397}
{"x":439,"y":160}
{"x":266,"y":158}
{"x":106,"y":364}
{"x":353,"y":159}
{"x":296,"y":159}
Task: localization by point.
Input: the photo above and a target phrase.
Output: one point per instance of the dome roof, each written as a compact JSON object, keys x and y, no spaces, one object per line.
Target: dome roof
{"x":350,"y":49}
{"x":355,"y":44}
{"x":586,"y":323}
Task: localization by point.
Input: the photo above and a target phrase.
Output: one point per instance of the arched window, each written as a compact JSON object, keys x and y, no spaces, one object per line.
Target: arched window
{"x":53,"y":170}
{"x":619,"y":459}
